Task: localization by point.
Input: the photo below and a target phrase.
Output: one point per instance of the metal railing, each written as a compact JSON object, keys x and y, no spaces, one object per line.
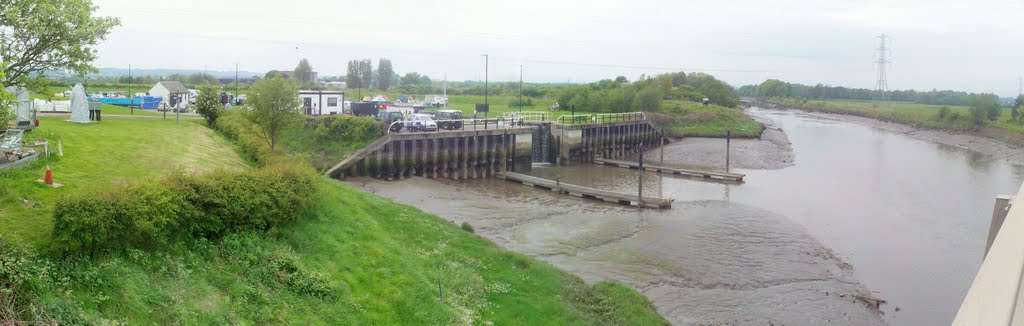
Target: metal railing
{"x":995,"y":293}
{"x":601,"y":118}
{"x":529,"y":116}
{"x":462,"y":124}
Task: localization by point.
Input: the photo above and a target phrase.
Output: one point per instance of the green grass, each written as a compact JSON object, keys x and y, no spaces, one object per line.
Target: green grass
{"x":380,"y":261}
{"x":920,"y":115}
{"x":690,"y":119}
{"x":97,"y":155}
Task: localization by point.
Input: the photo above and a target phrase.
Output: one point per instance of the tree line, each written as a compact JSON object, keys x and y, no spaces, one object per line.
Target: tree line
{"x":647,"y":93}
{"x":777,"y":88}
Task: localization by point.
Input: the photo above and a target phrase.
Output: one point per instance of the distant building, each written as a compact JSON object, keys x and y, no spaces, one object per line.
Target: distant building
{"x":322,"y":102}
{"x":174,"y":93}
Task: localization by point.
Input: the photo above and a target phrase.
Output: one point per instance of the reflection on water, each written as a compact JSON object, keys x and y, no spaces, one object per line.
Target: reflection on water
{"x":911,"y":218}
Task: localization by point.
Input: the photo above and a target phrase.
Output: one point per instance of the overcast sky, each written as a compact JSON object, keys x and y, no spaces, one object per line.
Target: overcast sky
{"x":971,"y":45}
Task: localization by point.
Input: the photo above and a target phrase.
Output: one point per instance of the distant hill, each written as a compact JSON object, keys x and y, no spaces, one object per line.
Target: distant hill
{"x":117,"y":72}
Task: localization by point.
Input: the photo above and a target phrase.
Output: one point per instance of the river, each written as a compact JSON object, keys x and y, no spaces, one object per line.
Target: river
{"x":852,"y":209}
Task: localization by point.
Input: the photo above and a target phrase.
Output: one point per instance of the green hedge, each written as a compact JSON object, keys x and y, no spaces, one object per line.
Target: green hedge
{"x":345,"y":128}
{"x":153,"y":213}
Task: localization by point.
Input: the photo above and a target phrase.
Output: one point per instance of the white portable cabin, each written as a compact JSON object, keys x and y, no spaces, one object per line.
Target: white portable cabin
{"x":322,"y":102}
{"x":174,"y":93}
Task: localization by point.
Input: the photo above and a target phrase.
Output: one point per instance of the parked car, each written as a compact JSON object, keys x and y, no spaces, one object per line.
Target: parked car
{"x":422,"y":122}
{"x":449,"y":119}
{"x":389,"y":117}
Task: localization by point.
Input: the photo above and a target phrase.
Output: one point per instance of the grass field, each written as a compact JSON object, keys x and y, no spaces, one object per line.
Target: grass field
{"x":97,"y":155}
{"x":921,"y":115}
{"x":691,"y":119}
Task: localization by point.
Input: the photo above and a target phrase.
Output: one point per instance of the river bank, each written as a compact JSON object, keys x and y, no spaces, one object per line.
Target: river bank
{"x":988,"y":141}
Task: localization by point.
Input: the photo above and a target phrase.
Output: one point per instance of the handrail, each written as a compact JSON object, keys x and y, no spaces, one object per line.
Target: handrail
{"x":995,"y":292}
{"x":601,"y":118}
{"x":476,"y":123}
{"x":529,"y":115}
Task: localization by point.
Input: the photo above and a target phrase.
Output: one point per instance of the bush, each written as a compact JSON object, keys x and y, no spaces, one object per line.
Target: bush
{"x":153,"y":213}
{"x":334,"y":128}
{"x":942,"y":113}
{"x":467,"y":227}
{"x":955,"y":116}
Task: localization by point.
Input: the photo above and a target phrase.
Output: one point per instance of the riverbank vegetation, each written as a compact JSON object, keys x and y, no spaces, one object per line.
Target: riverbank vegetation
{"x":689,"y":119}
{"x":984,"y":119}
{"x":773,"y":88}
{"x":149,"y":230}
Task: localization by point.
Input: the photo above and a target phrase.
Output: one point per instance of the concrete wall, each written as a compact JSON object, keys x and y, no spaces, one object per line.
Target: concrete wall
{"x":585,"y":142}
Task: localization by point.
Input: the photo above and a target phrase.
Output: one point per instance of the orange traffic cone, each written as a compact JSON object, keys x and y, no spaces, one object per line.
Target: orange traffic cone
{"x":49,"y":176}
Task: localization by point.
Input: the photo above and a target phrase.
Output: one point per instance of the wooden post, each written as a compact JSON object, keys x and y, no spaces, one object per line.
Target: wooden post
{"x":662,"y":138}
{"x":640,"y":182}
{"x":728,"y":135}
{"x":558,"y":163}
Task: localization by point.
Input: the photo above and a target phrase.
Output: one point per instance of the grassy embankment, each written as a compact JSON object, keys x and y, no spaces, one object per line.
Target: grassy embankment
{"x":918,"y":115}
{"x":351,"y":257}
{"x":691,"y":119}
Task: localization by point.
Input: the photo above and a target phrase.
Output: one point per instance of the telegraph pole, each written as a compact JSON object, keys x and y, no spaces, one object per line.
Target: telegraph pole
{"x":131,"y":98}
{"x":881,"y":85}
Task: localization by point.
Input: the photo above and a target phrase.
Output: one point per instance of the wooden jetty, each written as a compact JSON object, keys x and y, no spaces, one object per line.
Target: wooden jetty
{"x":587,"y":192}
{"x":718,"y":176}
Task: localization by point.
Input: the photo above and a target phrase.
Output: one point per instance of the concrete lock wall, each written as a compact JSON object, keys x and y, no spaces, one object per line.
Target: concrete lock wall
{"x":584,"y":142}
{"x":455,"y":155}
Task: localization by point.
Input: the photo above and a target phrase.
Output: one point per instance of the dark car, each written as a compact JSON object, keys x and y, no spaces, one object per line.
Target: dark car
{"x":389,"y":117}
{"x":448,"y":119}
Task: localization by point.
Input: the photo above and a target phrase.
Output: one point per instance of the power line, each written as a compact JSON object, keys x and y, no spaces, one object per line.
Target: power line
{"x":881,"y":85}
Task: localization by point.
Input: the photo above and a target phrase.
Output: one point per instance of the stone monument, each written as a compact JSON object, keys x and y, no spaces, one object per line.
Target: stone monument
{"x":79,"y":105}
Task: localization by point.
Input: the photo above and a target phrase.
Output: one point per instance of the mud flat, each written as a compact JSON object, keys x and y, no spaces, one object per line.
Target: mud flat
{"x":771,"y":152}
{"x":704,"y":261}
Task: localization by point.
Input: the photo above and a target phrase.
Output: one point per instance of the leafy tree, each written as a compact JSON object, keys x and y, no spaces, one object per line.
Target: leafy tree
{"x":304,"y":71}
{"x":622,"y":80}
{"x":648,"y":99}
{"x":1017,"y":104}
{"x":352,"y":75}
{"x":208,"y":103}
{"x":274,"y":106}
{"x":413,"y":78}
{"x":984,"y":107}
{"x":41,"y":35}
{"x":272,"y":74}
{"x":773,"y":88}
{"x":365,"y":73}
{"x":385,"y":74}
{"x":6,"y":101}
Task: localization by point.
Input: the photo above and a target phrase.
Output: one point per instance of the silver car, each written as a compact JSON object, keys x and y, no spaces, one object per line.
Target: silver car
{"x":422,"y":122}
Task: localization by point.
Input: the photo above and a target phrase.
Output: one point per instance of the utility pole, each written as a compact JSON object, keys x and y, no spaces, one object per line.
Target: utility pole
{"x":131,"y":98}
{"x":520,"y":90}
{"x":881,"y":85}
{"x":445,"y":91}
{"x":487,"y":65}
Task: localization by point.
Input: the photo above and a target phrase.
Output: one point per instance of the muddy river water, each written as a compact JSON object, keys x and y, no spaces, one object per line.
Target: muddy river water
{"x":836,"y":208}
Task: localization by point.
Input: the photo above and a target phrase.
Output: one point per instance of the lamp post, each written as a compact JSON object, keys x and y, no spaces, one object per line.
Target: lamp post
{"x":520,"y":90}
{"x":486,"y":103}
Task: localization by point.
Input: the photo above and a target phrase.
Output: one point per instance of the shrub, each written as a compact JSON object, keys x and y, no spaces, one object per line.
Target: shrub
{"x":334,"y":128}
{"x":942,"y":113}
{"x":153,"y":213}
{"x":467,"y":227}
{"x":954,"y":116}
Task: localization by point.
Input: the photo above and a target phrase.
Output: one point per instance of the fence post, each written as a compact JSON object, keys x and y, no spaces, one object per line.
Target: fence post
{"x":640,"y":183}
{"x":728,"y":135}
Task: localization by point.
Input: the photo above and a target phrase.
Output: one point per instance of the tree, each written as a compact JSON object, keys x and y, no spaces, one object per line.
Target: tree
{"x":384,"y":74}
{"x":272,"y":74}
{"x":6,"y":102}
{"x":622,"y":80}
{"x":984,"y":107}
{"x":41,"y":35}
{"x":648,"y":99}
{"x":365,"y":73}
{"x":773,"y":88}
{"x":352,"y":75}
{"x":1017,"y":104}
{"x":304,"y":71}
{"x":274,"y":106}
{"x":208,"y":103}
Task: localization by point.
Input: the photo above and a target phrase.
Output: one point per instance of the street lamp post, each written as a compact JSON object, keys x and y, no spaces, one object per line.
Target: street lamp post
{"x":486,"y":103}
{"x":520,"y":90}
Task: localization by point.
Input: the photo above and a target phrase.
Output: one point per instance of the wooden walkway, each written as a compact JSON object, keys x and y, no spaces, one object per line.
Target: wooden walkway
{"x":718,"y":176}
{"x":586,"y":192}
